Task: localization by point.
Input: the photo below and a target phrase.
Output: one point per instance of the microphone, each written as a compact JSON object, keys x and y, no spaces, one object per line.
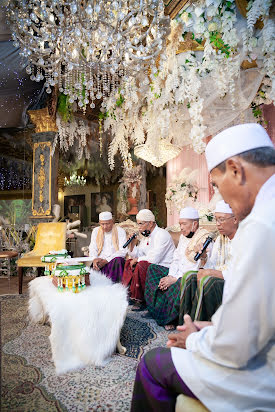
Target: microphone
{"x":146,"y":233}
{"x":208,"y":240}
{"x":130,"y":240}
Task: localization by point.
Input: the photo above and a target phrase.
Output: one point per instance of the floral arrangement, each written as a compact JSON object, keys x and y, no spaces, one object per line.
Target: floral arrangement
{"x":183,"y":190}
{"x":206,"y":213}
{"x":130,"y":180}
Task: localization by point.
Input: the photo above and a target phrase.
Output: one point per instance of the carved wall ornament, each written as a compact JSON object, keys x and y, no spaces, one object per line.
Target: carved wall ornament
{"x":42,"y":120}
{"x":41,"y":196}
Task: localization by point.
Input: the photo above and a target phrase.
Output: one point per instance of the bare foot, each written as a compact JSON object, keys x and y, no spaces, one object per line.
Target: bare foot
{"x":169,"y":327}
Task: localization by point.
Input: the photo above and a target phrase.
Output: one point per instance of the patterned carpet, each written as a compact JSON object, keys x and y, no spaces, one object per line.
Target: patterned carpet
{"x":29,"y":382}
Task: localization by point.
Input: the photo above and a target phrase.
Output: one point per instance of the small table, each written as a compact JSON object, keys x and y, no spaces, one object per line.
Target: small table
{"x":85,"y":326}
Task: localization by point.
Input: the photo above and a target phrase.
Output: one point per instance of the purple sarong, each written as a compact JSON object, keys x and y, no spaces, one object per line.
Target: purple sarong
{"x":114,"y":269}
{"x":157,"y":383}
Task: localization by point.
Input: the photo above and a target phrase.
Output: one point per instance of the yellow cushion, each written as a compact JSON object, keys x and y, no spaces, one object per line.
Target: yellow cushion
{"x":50,"y":236}
{"x":187,"y":404}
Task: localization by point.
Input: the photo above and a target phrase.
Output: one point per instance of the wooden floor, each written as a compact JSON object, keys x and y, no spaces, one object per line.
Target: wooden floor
{"x":10,"y":287}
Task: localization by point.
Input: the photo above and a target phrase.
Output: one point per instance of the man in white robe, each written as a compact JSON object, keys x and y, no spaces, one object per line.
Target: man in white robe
{"x":156,"y":246}
{"x":229,"y":364}
{"x":162,"y":287}
{"x":202,"y":291}
{"x":106,"y":248}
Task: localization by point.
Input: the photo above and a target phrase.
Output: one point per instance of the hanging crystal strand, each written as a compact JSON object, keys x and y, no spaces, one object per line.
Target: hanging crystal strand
{"x":100,"y":120}
{"x":60,"y":82}
{"x":86,"y":100}
{"x":70,"y":85}
{"x":104,"y":84}
{"x":66,"y":81}
{"x":73,"y":83}
{"x":32,"y":77}
{"x":79,"y":285}
{"x":92,"y":96}
{"x":98,"y":95}
{"x":67,"y":285}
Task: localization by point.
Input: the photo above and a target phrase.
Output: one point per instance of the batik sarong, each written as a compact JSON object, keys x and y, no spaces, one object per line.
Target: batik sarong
{"x":135,"y":279}
{"x":157,"y":383}
{"x":163,"y":305}
{"x":114,"y":269}
{"x":200,"y":301}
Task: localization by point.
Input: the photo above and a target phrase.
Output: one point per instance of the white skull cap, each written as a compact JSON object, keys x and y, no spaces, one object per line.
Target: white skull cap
{"x":145,"y":215}
{"x":105,"y":216}
{"x":222,"y":207}
{"x":189,"y":213}
{"x":235,"y":140}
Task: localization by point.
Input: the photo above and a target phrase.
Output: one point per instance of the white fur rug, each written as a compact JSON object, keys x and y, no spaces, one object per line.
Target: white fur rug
{"x":85,"y":326}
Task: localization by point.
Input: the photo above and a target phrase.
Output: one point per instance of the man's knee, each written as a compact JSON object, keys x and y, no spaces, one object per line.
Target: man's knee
{"x":156,"y":358}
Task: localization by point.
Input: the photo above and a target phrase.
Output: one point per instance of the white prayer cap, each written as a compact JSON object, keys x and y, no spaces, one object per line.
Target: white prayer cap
{"x":145,"y":215}
{"x":222,"y":207}
{"x":189,"y":213}
{"x":235,"y":140}
{"x":105,"y":216}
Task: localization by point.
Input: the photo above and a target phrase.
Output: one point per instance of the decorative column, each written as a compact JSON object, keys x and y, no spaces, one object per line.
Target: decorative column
{"x":45,"y":166}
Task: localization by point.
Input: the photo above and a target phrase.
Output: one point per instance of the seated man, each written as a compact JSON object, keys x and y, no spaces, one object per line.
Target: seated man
{"x":156,"y":246}
{"x":162,"y":287}
{"x":201,"y":292}
{"x":105,"y":250}
{"x":229,"y":365}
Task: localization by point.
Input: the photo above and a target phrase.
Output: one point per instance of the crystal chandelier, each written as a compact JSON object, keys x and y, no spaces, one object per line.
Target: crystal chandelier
{"x":165,"y":151}
{"x":88,"y":48}
{"x":75,"y":180}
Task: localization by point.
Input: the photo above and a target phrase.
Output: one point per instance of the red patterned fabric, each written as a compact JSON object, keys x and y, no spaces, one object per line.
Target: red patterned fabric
{"x":135,"y":278}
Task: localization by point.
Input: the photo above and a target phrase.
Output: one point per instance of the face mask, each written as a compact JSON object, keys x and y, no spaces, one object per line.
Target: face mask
{"x":146,"y":233}
{"x":191,"y":233}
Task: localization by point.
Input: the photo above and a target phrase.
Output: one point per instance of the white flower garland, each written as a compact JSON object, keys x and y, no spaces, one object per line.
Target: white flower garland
{"x":154,"y":103}
{"x":69,"y":132}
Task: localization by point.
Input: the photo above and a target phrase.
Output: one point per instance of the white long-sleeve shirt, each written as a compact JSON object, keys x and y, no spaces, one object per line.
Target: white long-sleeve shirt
{"x":230,"y":366}
{"x":181,"y":264}
{"x":108,"y":251}
{"x":157,"y":248}
{"x":215,"y":259}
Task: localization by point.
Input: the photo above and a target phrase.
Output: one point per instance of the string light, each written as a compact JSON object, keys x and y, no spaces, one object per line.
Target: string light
{"x":15,"y":174}
{"x":25,"y":93}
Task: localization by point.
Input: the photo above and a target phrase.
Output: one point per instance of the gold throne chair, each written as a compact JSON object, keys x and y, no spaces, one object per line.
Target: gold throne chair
{"x":50,"y":236}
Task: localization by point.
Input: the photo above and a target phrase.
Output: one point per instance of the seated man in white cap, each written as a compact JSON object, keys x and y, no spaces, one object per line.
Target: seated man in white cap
{"x":156,"y":246}
{"x":162,"y":287}
{"x":229,"y":365}
{"x":202,"y":291}
{"x":106,"y":248}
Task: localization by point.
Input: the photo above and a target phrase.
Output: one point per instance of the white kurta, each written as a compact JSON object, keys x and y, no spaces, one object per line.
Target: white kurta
{"x":108,"y":252}
{"x":230,"y":366}
{"x":181,"y":264}
{"x":215,"y":260}
{"x":158,"y":248}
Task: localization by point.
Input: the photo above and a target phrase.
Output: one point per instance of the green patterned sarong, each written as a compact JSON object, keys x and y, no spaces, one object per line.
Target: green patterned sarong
{"x":162,"y":305}
{"x":200,"y":302}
